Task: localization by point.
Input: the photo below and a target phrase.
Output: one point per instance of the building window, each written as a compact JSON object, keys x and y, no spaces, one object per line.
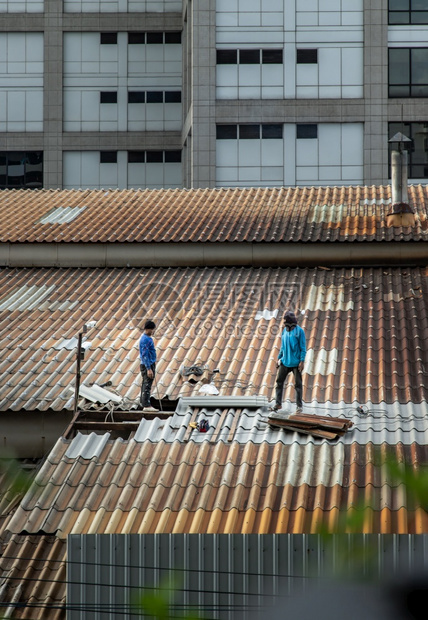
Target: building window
{"x":108,"y":96}
{"x":172,"y":37}
{"x":226,"y":132}
{"x":408,"y":73}
{"x":173,"y":96}
{"x":306,"y":131}
{"x":108,"y":157}
{"x":136,"y":96}
{"x":227,"y":57}
{"x":417,"y":149}
{"x":249,"y":57}
{"x":249,"y":132}
{"x":408,"y":12}
{"x":167,"y":157}
{"x":172,"y":157}
{"x":21,"y":169}
{"x":272,"y":132}
{"x":155,"y":37}
{"x":272,"y":57}
{"x":136,"y":157}
{"x":154,"y":157}
{"x":154,"y":96}
{"x":136,"y":38}
{"x":108,"y":38}
{"x":307,"y":56}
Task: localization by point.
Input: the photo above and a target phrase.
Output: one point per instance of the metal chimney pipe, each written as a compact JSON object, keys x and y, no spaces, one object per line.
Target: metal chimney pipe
{"x":404,"y":179}
{"x":397,"y":177}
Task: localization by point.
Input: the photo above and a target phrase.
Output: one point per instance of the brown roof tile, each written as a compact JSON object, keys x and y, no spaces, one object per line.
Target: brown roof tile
{"x":216,"y":488}
{"x":366,"y":331}
{"x":199,"y":215}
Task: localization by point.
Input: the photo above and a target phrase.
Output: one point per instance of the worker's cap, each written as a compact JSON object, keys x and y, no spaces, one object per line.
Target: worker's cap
{"x":290,"y":318}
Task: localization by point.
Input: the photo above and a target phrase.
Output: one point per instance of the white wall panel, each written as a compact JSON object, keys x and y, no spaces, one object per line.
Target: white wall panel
{"x":352,"y":141}
{"x":307,"y":152}
{"x":21,"y":81}
{"x":226,"y":153}
{"x":82,"y":169}
{"x":21,"y":6}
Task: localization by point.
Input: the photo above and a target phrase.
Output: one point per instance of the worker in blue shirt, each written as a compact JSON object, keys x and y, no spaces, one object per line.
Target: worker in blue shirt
{"x":291,"y":358}
{"x":147,"y":366}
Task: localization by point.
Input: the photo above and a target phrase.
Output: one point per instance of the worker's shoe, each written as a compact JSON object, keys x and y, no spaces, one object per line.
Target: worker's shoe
{"x":150,"y":409}
{"x":299,"y":410}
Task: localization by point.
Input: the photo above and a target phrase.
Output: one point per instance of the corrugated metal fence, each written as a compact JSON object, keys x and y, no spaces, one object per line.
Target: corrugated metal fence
{"x":225,"y":576}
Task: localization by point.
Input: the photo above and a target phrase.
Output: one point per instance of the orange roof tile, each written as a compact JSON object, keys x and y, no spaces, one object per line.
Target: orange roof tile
{"x":199,"y":215}
{"x":133,"y":487}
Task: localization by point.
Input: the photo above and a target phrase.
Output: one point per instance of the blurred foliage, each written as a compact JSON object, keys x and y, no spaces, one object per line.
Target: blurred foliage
{"x":159,"y":602}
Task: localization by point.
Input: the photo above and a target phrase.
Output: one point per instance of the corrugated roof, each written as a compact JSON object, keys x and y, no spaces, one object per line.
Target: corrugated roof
{"x":392,"y":424}
{"x":34,"y":574}
{"x":132,"y":487}
{"x":199,"y":215}
{"x":367,"y":332}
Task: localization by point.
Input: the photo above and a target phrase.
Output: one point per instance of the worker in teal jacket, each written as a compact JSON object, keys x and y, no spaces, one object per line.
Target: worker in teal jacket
{"x":291,"y":358}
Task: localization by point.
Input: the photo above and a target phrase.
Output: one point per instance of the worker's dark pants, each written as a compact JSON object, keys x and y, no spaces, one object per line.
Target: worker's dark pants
{"x":146,"y":385}
{"x":283,"y":372}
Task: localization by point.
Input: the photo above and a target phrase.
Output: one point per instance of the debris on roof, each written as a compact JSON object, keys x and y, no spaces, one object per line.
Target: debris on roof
{"x":325,"y":427}
{"x":195,"y":373}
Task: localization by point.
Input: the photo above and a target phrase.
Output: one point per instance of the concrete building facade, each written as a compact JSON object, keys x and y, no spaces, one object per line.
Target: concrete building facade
{"x":214,"y":93}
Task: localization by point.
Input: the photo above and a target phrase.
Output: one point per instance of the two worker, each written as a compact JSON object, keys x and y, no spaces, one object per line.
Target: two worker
{"x":291,"y":358}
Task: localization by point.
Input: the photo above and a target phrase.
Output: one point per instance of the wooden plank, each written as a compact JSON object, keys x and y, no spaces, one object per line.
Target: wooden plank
{"x":309,"y":416}
{"x":234,"y":424}
{"x":219,"y":426}
{"x":306,"y":431}
{"x":318,"y":423}
{"x":189,"y":429}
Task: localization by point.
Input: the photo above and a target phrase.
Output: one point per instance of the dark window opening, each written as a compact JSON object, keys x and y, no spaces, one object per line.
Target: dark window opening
{"x":108,"y":97}
{"x":272,"y":57}
{"x":306,"y":56}
{"x":154,"y":96}
{"x":249,"y":57}
{"x":136,"y":96}
{"x":227,"y":57}
{"x":172,"y":96}
{"x":408,"y":76}
{"x":172,"y":157}
{"x":108,"y":38}
{"x":249,"y":132}
{"x":154,"y":157}
{"x":136,"y":157}
{"x":155,"y":37}
{"x":136,"y":38}
{"x":172,"y":37}
{"x":306,"y":131}
{"x":226,"y":132}
{"x":272,"y":132}
{"x":417,"y":150}
{"x":108,"y":157}
{"x":21,"y":169}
